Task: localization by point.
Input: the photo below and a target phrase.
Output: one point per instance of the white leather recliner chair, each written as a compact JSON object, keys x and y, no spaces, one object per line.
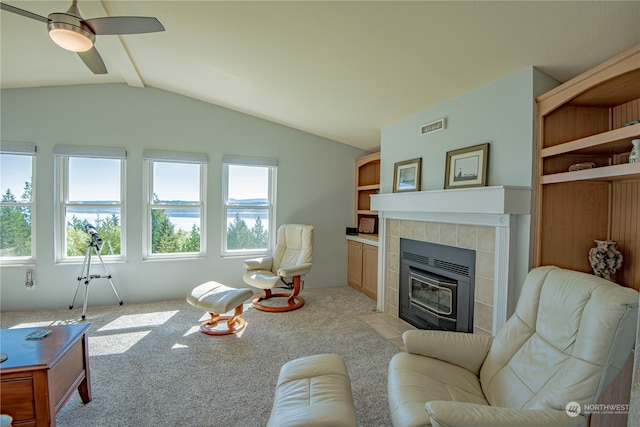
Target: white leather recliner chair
{"x":569,"y":337}
{"x":290,"y":261}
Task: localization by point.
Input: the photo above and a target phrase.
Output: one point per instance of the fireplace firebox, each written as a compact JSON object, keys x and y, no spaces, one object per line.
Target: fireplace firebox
{"x":436,"y":285}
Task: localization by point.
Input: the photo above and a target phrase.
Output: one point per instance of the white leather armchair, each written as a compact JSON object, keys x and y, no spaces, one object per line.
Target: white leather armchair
{"x":286,"y":267}
{"x":569,"y":337}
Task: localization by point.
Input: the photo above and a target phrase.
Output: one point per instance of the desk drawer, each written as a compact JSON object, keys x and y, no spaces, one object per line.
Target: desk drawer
{"x":16,"y":397}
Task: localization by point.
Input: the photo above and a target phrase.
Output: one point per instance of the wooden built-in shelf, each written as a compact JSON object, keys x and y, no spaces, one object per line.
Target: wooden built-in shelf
{"x":363,"y":248}
{"x":616,"y":81}
{"x":605,"y":143}
{"x":367,"y":183}
{"x":368,"y":187}
{"x":606,"y":173}
{"x":583,"y":121}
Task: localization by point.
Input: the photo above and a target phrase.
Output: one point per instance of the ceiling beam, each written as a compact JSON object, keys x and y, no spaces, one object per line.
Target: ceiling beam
{"x":112,"y":48}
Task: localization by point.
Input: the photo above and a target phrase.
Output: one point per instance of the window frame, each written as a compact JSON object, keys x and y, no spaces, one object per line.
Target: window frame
{"x":272,"y":165}
{"x":30,"y":150}
{"x":62,"y":155}
{"x":149,"y":158}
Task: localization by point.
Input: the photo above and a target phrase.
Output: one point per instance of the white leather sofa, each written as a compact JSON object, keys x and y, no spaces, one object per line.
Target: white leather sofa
{"x":569,"y":337}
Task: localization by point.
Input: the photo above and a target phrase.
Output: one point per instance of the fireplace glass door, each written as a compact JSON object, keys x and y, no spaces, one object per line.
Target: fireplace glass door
{"x":434,"y":293}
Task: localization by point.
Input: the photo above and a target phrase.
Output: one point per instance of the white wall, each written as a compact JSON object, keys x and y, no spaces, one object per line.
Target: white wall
{"x":137,"y":119}
{"x":502,"y":114}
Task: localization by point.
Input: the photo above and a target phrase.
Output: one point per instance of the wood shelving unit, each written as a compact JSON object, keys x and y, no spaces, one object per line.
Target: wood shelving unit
{"x":584,"y":121}
{"x":606,"y":173}
{"x":367,"y":183}
{"x":363,"y":251}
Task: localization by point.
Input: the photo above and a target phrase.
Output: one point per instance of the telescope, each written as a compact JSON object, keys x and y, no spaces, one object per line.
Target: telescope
{"x":85,"y":276}
{"x":95,"y":237}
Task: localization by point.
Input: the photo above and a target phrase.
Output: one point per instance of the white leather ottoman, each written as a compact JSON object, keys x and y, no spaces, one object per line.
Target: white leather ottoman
{"x":313,"y":391}
{"x":217,"y":299}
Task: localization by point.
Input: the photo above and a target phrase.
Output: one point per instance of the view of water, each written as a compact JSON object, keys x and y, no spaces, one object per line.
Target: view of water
{"x":183,"y":219}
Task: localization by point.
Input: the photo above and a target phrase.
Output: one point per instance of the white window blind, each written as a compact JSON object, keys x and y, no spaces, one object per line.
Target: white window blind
{"x":175,"y":157}
{"x":250,"y":161}
{"x":26,"y":148}
{"x":97,"y":152}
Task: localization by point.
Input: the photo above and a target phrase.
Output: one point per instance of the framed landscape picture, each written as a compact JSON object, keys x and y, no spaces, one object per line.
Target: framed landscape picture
{"x":406,"y":176}
{"x":467,"y":167}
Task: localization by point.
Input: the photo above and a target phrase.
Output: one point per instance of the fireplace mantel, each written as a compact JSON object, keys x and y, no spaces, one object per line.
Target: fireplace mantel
{"x":496,"y":206}
{"x":477,"y":205}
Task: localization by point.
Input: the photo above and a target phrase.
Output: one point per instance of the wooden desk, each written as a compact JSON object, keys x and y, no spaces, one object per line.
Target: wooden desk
{"x":40,"y":375}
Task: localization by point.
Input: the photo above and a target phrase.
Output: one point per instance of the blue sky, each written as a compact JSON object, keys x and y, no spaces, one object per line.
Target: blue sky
{"x":176,"y":181}
{"x":94,"y":179}
{"x":247,"y":182}
{"x":172,"y":181}
{"x":15,"y":170}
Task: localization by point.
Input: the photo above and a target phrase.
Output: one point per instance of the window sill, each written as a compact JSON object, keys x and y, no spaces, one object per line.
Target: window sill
{"x":157,"y":258}
{"x":18,"y":263}
{"x":245,"y":255}
{"x":94,"y":261}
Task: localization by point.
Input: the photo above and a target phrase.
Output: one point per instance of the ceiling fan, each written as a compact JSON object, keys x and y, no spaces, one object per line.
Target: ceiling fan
{"x":72,"y":32}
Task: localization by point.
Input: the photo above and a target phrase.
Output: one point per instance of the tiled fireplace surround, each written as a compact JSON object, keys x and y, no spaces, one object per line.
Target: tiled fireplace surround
{"x":482,"y":219}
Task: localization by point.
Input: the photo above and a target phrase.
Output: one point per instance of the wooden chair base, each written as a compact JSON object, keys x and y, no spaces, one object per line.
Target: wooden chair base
{"x":234,"y":323}
{"x":294,"y":301}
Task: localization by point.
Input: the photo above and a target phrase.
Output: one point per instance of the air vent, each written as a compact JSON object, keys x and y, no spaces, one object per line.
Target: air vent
{"x":452,"y":267}
{"x":415,"y":258}
{"x":439,"y":124}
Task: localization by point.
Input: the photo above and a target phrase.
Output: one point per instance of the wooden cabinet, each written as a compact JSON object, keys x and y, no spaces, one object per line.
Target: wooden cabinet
{"x":367,"y":183}
{"x":354,"y":269}
{"x":586,"y":120}
{"x":362,"y":256}
{"x":370,"y":270}
{"x":363,"y":267}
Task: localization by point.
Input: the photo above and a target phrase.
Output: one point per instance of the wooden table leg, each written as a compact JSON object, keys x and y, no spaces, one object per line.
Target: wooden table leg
{"x":84,"y":388}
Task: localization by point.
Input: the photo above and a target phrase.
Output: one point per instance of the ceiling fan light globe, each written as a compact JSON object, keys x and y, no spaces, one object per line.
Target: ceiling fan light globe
{"x":71,"y":37}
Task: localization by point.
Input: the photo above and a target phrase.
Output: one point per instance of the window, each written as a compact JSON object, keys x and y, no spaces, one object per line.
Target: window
{"x":249,"y":205}
{"x":175,"y":200}
{"x":90,"y":191}
{"x":17,"y":203}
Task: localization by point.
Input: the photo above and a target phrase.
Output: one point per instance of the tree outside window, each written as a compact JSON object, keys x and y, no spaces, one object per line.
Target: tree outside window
{"x":91,"y":194}
{"x":16,"y":205}
{"x":175,"y":208}
{"x":248,"y":205}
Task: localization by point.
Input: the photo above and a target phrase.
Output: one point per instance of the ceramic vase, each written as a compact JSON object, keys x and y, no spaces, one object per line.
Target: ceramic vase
{"x":634,"y":157}
{"x":605,"y":259}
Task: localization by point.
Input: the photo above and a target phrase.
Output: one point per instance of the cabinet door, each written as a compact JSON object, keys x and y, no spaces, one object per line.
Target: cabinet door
{"x":355,"y":264}
{"x":370,"y":270}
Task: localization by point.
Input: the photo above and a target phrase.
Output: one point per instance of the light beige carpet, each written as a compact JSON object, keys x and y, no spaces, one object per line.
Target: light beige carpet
{"x":150,"y":366}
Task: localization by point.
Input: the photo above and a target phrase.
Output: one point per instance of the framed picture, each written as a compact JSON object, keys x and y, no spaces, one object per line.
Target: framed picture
{"x":467,"y":167}
{"x":406,"y":176}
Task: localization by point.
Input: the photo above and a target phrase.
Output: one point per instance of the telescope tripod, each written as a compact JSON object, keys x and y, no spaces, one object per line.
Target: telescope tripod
{"x":87,"y":277}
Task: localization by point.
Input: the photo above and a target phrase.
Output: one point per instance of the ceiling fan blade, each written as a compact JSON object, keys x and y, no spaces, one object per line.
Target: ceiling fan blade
{"x":113,"y":25}
{"x":22,"y":12}
{"x":92,"y":59}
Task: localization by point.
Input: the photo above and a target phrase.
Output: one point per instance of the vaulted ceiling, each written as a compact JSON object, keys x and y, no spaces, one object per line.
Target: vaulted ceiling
{"x":338,"y":69}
